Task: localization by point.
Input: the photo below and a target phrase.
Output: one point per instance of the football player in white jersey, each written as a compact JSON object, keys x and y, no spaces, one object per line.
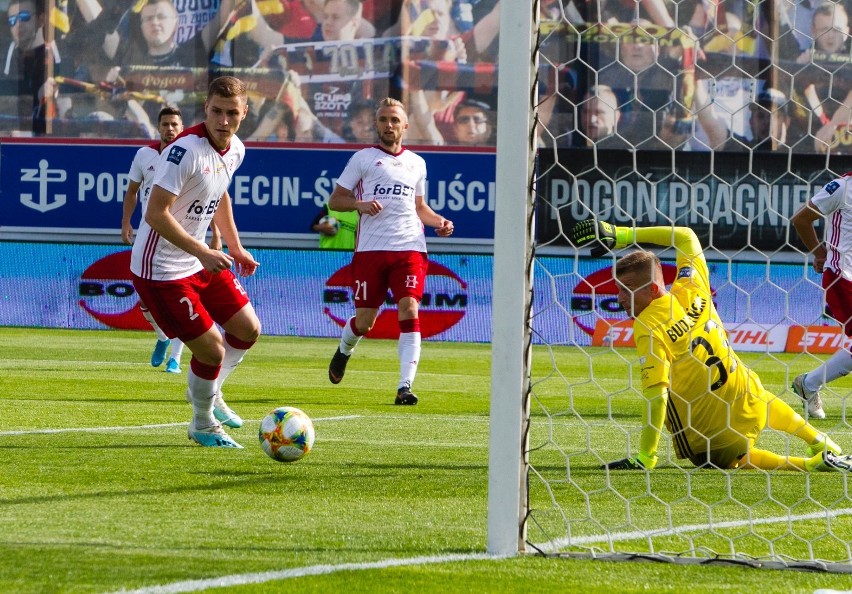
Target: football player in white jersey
{"x":169,"y":125}
{"x":833,"y":259}
{"x":385,"y":184}
{"x":188,"y":286}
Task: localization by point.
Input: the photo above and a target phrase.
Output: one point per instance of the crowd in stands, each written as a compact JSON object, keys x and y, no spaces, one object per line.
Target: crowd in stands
{"x":698,"y":75}
{"x":693,"y":75}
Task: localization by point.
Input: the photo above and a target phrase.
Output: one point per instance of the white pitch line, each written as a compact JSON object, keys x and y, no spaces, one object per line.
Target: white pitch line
{"x":675,"y":530}
{"x":228,"y":581}
{"x":137,"y":427}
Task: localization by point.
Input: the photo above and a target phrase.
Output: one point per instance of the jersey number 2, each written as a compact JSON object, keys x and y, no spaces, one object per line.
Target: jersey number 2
{"x":192,"y":313}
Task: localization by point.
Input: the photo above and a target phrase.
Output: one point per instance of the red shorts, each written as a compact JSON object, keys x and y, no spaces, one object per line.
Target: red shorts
{"x":373,"y":273}
{"x":838,"y":298}
{"x":188,"y":307}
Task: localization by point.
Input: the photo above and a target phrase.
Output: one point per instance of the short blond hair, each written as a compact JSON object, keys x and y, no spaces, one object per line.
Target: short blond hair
{"x":390,"y":102}
{"x":640,"y":262}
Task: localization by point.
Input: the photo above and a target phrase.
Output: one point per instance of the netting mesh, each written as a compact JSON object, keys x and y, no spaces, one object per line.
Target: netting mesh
{"x":725,"y":118}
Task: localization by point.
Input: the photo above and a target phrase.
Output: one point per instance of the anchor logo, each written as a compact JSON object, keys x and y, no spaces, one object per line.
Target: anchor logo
{"x":43,"y":176}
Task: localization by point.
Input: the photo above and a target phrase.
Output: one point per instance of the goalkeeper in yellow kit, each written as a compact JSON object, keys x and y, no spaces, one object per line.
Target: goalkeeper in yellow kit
{"x":712,"y":404}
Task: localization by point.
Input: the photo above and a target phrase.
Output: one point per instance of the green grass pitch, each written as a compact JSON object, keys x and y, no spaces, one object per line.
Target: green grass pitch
{"x":100,"y":490}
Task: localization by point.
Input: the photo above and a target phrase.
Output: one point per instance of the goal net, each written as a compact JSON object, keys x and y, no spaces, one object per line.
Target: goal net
{"x":722,"y":121}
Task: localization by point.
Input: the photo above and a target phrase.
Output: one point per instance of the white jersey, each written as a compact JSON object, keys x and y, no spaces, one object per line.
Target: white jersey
{"x":199,"y":175}
{"x":142,"y":172}
{"x":394,"y":181}
{"x":834,"y":200}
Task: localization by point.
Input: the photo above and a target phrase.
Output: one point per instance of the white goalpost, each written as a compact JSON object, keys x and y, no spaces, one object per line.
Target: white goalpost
{"x":565,"y":385}
{"x":512,"y":283}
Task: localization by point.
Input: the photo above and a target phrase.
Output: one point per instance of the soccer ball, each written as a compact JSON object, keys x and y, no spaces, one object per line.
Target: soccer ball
{"x":331,"y":221}
{"x":286,"y":434}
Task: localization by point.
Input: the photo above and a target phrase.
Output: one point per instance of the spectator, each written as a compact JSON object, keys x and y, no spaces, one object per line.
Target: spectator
{"x":769,"y":121}
{"x":800,"y":16}
{"x":289,"y":117}
{"x":336,"y":229}
{"x":644,"y":85}
{"x":475,"y":23}
{"x":835,"y":135}
{"x":825,"y":84}
{"x":159,"y":19}
{"x":433,"y":110}
{"x":615,"y":11}
{"x":830,"y":31}
{"x":473,"y":124}
{"x":364,"y":30}
{"x":729,"y":94}
{"x":360,"y":126}
{"x":599,"y":117}
{"x":343,"y":20}
{"x":153,"y":40}
{"x":25,"y":68}
{"x":295,"y":22}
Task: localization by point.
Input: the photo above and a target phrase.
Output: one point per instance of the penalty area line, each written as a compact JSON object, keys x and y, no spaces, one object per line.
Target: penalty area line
{"x":138,"y":427}
{"x":298,"y":572}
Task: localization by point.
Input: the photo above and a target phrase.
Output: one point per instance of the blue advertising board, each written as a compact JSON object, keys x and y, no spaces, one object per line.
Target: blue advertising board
{"x":307,"y":293}
{"x":80,"y":186}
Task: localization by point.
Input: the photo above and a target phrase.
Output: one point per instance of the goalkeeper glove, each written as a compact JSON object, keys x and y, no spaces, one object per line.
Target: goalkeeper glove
{"x":598,"y":233}
{"x":642,"y":461}
{"x":624,"y":464}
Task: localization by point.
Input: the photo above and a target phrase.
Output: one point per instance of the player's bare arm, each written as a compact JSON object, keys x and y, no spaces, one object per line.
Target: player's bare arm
{"x":224,"y":221}
{"x":430,"y":218}
{"x":161,"y":220}
{"x":215,"y":242}
{"x":130,"y":199}
{"x":803,"y":221}
{"x":344,"y":200}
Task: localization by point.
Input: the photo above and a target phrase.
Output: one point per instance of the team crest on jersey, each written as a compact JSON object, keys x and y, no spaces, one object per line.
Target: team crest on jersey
{"x":685,"y":272}
{"x":176,"y":154}
{"x":831,"y":187}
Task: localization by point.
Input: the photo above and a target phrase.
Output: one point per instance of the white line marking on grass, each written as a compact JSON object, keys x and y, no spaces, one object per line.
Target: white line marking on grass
{"x":673,"y":531}
{"x":297,"y":572}
{"x":137,"y":427}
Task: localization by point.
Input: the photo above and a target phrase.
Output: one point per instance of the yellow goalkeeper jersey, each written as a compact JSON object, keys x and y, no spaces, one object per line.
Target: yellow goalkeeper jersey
{"x":714,"y":400}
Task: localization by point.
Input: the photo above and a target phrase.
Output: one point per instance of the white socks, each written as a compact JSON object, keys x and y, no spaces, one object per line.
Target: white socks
{"x":147,"y":315}
{"x":348,"y":339}
{"x":176,"y":350}
{"x":409,"y":357}
{"x":838,"y":365}
{"x":201,"y":393}
{"x":233,"y":357}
